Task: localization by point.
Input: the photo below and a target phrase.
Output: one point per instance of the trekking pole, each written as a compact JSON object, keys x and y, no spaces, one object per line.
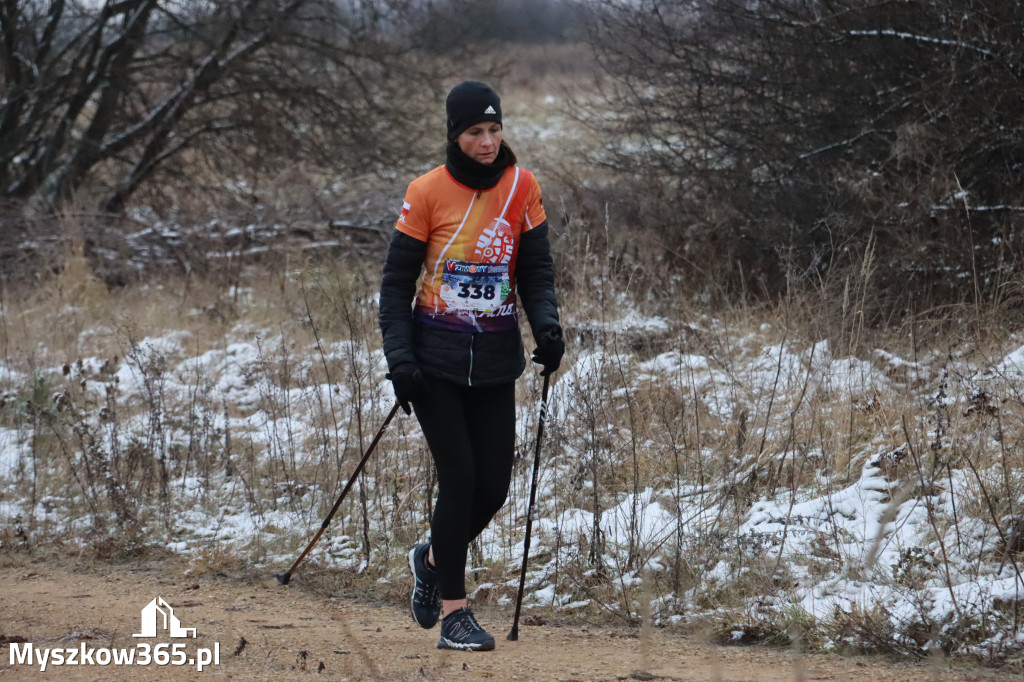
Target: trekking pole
{"x":284,"y":578}
{"x":514,"y":634}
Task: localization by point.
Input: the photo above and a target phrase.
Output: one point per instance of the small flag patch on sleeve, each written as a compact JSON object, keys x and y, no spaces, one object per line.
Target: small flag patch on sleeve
{"x":405,"y":210}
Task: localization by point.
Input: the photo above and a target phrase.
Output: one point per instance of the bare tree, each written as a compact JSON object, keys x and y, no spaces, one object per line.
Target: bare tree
{"x":108,"y":96}
{"x":452,"y":23}
{"x":786,"y":136}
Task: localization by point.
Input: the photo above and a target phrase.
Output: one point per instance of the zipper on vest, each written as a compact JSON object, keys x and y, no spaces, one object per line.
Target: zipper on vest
{"x":469,"y":377}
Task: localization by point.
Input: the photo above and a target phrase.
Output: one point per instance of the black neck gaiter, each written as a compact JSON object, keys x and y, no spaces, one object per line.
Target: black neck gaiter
{"x":474,"y":174}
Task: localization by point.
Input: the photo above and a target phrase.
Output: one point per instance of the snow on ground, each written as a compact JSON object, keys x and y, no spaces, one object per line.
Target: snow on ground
{"x":919,"y":552}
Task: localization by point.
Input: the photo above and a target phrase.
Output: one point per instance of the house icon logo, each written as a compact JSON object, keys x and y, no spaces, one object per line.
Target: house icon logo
{"x":152,"y":621}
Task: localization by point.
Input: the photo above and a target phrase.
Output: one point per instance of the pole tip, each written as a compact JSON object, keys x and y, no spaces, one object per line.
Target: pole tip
{"x":283,"y":578}
{"x":514,"y":635}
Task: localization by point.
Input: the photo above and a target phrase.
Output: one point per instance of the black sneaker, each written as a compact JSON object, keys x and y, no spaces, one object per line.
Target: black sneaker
{"x":426,"y":597}
{"x":459,"y":630}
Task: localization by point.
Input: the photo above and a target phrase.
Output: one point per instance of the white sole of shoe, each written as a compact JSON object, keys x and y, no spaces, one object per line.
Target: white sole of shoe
{"x":458,"y":646}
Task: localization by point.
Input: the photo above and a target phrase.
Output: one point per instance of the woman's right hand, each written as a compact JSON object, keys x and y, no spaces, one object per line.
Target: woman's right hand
{"x":409,"y":384}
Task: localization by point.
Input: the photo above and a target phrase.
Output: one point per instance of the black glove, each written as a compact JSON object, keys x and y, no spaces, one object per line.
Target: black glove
{"x":550,"y":349}
{"x":409,"y":385}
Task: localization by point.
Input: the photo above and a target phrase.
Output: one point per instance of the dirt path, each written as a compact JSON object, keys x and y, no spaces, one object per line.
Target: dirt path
{"x":292,"y":633}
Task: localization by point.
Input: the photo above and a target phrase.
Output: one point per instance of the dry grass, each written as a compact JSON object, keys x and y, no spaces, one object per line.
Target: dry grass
{"x":617,"y":429}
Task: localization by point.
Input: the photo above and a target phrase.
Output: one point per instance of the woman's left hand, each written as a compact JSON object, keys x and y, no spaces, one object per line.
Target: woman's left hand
{"x":550,"y":349}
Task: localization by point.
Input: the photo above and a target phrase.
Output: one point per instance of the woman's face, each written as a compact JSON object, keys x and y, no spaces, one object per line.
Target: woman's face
{"x":480,"y":142}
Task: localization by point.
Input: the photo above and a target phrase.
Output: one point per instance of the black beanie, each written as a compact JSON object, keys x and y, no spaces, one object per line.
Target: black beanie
{"x":469,"y":103}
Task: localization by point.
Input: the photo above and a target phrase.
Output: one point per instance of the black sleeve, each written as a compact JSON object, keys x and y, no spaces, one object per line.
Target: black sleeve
{"x":535,"y":279}
{"x":397,"y":290}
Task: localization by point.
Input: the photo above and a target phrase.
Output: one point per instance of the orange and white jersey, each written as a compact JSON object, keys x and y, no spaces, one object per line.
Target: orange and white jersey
{"x":472,"y":242}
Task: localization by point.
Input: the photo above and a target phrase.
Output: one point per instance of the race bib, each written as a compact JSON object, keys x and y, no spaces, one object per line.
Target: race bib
{"x":478,"y":287}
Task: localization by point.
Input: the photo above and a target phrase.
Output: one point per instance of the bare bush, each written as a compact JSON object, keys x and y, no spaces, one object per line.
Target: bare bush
{"x":778,"y":140}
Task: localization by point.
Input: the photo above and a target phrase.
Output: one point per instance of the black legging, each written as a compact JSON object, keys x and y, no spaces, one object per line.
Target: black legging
{"x":471,"y":434}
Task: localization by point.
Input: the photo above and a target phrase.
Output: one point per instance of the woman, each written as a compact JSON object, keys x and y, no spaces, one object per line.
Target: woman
{"x":476,"y":226}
